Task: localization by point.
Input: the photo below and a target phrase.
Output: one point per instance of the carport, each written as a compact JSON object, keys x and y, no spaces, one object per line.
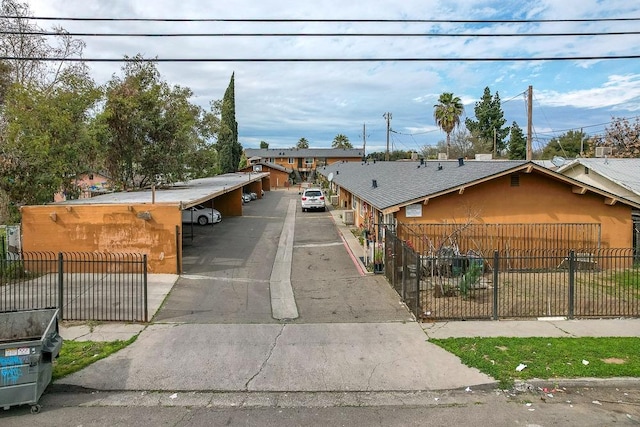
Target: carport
{"x":147,"y":221}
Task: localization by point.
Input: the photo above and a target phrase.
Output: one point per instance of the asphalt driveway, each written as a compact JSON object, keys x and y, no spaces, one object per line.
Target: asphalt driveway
{"x":227,"y":269}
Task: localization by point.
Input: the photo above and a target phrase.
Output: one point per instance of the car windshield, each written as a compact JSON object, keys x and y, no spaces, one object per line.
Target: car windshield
{"x":313,"y":193}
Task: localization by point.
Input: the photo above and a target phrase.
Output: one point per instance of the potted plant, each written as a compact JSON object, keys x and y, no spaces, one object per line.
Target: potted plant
{"x":378,"y":260}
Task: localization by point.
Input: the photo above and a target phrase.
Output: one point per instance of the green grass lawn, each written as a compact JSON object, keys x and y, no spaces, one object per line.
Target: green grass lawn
{"x":547,"y":358}
{"x":75,"y":355}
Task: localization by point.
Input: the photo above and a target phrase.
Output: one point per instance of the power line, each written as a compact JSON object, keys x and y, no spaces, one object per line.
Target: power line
{"x":426,"y":35}
{"x":382,"y":59}
{"x":588,"y":126}
{"x":295,"y":20}
{"x":416,"y":133}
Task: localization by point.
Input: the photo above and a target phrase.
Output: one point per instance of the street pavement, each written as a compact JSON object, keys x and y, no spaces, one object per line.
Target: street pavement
{"x":305,"y":356}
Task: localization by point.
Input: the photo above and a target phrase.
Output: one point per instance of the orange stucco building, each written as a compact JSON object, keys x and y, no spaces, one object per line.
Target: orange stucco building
{"x":303,"y":160}
{"x":144,"y":222}
{"x":489,"y":192}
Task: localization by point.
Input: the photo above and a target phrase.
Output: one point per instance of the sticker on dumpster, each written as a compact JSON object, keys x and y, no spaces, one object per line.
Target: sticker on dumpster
{"x":22,"y":351}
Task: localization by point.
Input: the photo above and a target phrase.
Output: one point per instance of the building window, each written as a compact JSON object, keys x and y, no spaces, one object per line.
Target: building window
{"x":515,"y":180}
{"x":308,"y":160}
{"x":586,"y":170}
{"x":291,"y":160}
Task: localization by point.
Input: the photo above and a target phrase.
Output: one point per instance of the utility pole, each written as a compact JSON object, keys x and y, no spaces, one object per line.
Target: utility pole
{"x":364,"y":138}
{"x":388,"y":117}
{"x":495,"y":144}
{"x":529,"y":124}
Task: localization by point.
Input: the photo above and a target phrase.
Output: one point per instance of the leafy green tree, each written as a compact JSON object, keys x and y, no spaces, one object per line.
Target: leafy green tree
{"x":341,"y":141}
{"x":45,"y":140}
{"x":489,"y":123}
{"x":447,"y":114}
{"x":264,"y":144}
{"x":228,"y":146}
{"x":302,"y":143}
{"x":517,"y":143}
{"x":204,"y":162}
{"x":149,"y":129}
{"x":567,"y":145}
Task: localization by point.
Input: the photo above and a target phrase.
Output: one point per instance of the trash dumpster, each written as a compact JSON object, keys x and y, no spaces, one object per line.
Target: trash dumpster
{"x":29,"y":342}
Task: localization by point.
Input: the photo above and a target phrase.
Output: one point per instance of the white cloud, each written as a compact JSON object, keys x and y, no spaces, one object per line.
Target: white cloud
{"x":619,"y":91}
{"x":285,"y":101}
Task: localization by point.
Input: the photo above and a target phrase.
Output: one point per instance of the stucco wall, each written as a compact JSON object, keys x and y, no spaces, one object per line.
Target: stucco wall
{"x":537,"y":199}
{"x":106,"y":228}
{"x":278,"y":179}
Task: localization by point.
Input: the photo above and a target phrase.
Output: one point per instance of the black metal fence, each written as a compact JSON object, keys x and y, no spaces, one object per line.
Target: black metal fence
{"x":515,"y":284}
{"x":430,"y":238}
{"x":83,"y":285}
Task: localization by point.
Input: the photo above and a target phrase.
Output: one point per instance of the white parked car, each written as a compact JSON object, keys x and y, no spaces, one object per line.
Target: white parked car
{"x":312,"y":198}
{"x":201,"y":215}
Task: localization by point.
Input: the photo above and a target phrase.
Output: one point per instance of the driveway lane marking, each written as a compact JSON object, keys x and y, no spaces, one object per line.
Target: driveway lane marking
{"x":283,"y":302}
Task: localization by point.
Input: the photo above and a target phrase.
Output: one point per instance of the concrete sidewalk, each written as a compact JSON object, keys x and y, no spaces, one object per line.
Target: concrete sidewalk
{"x":336,"y":357}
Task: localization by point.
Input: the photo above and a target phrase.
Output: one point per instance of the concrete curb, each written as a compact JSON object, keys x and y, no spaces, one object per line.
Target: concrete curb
{"x":619,"y":382}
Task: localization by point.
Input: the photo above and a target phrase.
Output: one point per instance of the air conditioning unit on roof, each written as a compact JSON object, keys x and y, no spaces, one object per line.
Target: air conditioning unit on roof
{"x":603,"y":151}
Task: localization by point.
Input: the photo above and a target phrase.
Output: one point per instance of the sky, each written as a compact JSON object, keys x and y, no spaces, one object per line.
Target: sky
{"x":281,"y":102}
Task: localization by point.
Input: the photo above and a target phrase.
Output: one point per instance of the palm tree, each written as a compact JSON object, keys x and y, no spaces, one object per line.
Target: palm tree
{"x":302,"y":143}
{"x":341,"y":141}
{"x":447,"y":114}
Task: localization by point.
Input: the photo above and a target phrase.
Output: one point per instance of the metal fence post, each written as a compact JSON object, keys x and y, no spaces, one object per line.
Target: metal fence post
{"x":418,"y":309}
{"x":572,"y":281}
{"x":404,"y":274}
{"x":60,"y":285}
{"x":496,"y":261}
{"x":144,"y":279}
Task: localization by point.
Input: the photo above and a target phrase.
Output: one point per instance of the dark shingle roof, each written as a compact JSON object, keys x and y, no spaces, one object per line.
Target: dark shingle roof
{"x":400,"y":183}
{"x":304,"y":152}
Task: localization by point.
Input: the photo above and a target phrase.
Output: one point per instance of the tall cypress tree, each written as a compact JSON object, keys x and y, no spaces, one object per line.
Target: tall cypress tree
{"x":228,"y":146}
{"x":517,"y":143}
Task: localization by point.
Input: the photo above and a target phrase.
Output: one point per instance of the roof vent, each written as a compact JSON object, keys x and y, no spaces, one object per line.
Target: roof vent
{"x":374,"y":183}
{"x":337,"y":172}
{"x":439,"y":167}
{"x":460,"y":161}
{"x":422,"y":161}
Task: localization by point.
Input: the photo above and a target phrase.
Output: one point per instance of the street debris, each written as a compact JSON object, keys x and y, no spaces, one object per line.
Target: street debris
{"x":585,"y":362}
{"x":468,"y":389}
{"x":520,"y":367}
{"x":173,"y":396}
